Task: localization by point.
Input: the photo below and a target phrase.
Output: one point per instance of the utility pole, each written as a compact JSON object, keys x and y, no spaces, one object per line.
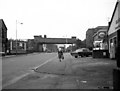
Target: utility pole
{"x":16,"y":35}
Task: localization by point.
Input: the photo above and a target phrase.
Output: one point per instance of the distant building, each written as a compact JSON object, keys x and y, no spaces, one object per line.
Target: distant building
{"x":100,"y":39}
{"x":89,"y":39}
{"x":3,"y":37}
{"x":31,"y":45}
{"x":17,"y":47}
{"x":100,"y":43}
{"x":89,"y":35}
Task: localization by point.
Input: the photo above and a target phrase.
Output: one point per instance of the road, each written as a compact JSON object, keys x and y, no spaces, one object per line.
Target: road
{"x":14,"y":68}
{"x":71,"y":73}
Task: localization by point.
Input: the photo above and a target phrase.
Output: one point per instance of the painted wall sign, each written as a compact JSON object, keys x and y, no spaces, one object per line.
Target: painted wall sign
{"x":101,"y":34}
{"x":117,"y":23}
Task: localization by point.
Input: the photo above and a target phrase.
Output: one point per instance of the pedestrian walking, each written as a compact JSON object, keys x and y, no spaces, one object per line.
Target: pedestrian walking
{"x":60,"y":54}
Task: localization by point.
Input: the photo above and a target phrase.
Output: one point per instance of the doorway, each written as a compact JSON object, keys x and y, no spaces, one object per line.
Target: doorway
{"x":118,"y":48}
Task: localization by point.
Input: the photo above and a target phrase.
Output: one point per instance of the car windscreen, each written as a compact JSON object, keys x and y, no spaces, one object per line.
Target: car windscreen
{"x":79,"y":50}
{"x":85,"y":50}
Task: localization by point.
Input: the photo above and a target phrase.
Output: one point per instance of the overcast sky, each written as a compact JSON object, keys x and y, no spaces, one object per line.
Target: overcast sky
{"x":55,"y":18}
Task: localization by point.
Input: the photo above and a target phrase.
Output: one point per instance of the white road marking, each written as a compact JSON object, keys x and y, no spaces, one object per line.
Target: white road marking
{"x":49,"y":75}
{"x":45,"y":63}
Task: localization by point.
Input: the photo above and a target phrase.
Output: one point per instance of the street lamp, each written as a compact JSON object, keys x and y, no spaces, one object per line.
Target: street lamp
{"x":16,"y":34}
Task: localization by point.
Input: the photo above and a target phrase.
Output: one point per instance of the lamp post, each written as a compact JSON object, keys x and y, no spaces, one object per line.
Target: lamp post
{"x":16,"y":34}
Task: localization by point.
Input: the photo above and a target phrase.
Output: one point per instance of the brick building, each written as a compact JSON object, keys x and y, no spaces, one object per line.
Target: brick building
{"x":3,"y":37}
{"x":100,"y":43}
{"x":31,"y":46}
{"x":89,"y":39}
{"x":89,"y":35}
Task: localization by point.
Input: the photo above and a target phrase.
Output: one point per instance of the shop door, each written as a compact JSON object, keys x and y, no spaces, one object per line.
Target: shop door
{"x":115,"y":46}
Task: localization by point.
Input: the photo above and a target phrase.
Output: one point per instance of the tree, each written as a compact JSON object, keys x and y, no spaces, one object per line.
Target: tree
{"x":80,"y":44}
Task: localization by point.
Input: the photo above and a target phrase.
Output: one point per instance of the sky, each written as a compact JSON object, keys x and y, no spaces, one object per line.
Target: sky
{"x":54,"y":18}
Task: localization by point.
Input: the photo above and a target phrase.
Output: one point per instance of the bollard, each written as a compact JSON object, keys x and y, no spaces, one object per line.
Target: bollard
{"x":116,"y":78}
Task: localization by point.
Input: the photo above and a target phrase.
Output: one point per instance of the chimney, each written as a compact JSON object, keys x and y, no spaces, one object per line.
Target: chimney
{"x":45,"y":36}
{"x":40,"y":36}
{"x":73,"y":37}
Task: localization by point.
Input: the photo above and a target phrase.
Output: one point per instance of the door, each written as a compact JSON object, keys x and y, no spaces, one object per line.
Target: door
{"x":115,"y":46}
{"x":118,"y":48}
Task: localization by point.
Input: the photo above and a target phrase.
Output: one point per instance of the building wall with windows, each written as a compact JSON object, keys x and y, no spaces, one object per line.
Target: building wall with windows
{"x":89,"y":35}
{"x":100,"y":39}
{"x":3,"y":36}
{"x":30,"y":45}
{"x":89,"y":39}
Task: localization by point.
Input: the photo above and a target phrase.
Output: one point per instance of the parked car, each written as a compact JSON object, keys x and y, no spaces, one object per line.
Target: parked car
{"x":48,"y":51}
{"x":2,"y":53}
{"x":81,"y":52}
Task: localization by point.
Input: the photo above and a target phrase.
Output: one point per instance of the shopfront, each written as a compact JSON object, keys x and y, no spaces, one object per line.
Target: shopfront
{"x":100,"y":44}
{"x":114,"y":27}
{"x":114,"y":43}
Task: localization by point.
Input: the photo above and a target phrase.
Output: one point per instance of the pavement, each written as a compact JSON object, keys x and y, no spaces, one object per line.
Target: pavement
{"x":80,"y":73}
{"x":13,"y":55}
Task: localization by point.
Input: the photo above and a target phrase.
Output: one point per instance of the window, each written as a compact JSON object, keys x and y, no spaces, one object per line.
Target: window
{"x":3,"y":34}
{"x":115,"y":40}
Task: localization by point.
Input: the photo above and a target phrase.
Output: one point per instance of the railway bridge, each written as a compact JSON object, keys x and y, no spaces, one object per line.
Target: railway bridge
{"x":41,"y":41}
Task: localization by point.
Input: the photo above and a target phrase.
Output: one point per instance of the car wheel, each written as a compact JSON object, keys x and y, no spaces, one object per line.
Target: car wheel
{"x":81,"y":55}
{"x":76,"y":56}
{"x":87,"y":55}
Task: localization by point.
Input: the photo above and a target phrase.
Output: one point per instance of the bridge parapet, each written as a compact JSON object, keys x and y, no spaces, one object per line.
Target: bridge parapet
{"x":54,"y":40}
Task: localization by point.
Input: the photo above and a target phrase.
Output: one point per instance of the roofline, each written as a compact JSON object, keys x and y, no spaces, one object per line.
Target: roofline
{"x":113,"y":14}
{"x":3,"y":23}
{"x":100,"y":30}
{"x":95,"y":34}
{"x":103,"y":27}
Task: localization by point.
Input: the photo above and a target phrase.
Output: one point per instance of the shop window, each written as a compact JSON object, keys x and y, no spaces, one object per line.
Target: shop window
{"x":110,"y":40}
{"x":3,"y":34}
{"x":115,"y":40}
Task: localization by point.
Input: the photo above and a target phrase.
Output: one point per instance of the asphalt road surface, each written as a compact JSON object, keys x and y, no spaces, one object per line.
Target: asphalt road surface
{"x":71,"y":73}
{"x":16,"y":67}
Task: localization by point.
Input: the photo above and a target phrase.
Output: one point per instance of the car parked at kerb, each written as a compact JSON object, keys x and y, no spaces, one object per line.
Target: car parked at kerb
{"x":83,"y":52}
